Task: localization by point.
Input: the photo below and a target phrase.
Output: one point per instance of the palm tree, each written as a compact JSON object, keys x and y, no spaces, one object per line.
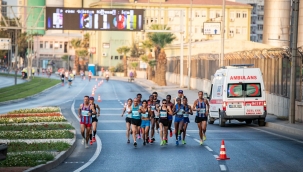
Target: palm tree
{"x":124,"y":50}
{"x":148,"y":46}
{"x":160,"y":40}
{"x":135,"y":65}
{"x":81,"y":51}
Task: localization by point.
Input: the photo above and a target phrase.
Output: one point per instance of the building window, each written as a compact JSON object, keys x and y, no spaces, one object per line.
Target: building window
{"x":260,"y":27}
{"x":197,"y":14}
{"x":260,"y":17}
{"x":238,"y":15}
{"x":218,"y":14}
{"x":238,"y":30}
{"x":65,"y":47}
{"x":41,"y":44}
{"x":260,"y":36}
{"x":46,"y":44}
{"x":51,"y":45}
{"x":203,"y":13}
{"x":121,"y":57}
{"x":244,"y":15}
{"x":116,"y":57}
{"x":261,"y":8}
{"x":111,"y":57}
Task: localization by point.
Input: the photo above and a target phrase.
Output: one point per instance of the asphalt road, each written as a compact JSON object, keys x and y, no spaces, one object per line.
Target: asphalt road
{"x":249,"y":147}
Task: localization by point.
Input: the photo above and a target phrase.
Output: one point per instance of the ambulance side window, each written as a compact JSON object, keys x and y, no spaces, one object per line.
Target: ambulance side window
{"x":211,"y":91}
{"x":235,"y":90}
{"x":253,"y":90}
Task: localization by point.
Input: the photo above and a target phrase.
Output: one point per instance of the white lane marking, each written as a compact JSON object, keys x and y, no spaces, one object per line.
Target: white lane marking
{"x":111,"y":121}
{"x":197,"y":140}
{"x":208,"y":148}
{"x":268,"y":132}
{"x":216,"y":156}
{"x":223,"y":167}
{"x":99,"y":145}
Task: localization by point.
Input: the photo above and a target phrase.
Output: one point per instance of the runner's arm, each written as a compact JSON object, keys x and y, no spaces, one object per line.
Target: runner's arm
{"x":170,"y":112}
{"x":93,"y":109}
{"x":79,"y":111}
{"x":99,"y":110}
{"x":124,"y":109}
{"x":195,"y":105}
{"x":190,"y":110}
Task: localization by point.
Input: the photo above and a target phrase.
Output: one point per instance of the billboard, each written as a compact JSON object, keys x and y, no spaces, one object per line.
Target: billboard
{"x":211,"y":28}
{"x":107,"y":19}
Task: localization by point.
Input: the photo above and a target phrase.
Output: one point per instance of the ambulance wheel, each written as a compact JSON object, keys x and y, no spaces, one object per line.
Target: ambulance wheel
{"x":221,"y":121}
{"x":211,"y":120}
{"x":248,"y":121}
{"x":261,"y":122}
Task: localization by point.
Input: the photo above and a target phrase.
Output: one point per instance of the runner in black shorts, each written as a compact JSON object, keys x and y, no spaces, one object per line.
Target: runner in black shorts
{"x":201,"y":105}
{"x":128,"y":113}
{"x":155,"y":118}
{"x":188,"y":111}
{"x":94,"y":120}
{"x":164,"y":111}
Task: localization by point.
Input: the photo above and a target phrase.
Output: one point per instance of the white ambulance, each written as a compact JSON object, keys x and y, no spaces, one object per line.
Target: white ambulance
{"x":237,"y":92}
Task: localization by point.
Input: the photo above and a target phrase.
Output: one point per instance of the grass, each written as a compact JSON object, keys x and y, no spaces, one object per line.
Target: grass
{"x":26,"y":159}
{"x":35,"y":127}
{"x":26,"y":89}
{"x":50,"y":146}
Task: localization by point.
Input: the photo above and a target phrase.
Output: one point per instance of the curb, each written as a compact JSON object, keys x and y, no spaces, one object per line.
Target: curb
{"x":57,"y":161}
{"x":18,"y":100}
{"x":284,"y":128}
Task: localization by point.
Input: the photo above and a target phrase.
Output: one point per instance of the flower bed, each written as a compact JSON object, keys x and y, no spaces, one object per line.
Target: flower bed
{"x":17,"y":115}
{"x":25,"y":127}
{"x":32,"y":119}
{"x":36,"y":110}
{"x":33,"y":137}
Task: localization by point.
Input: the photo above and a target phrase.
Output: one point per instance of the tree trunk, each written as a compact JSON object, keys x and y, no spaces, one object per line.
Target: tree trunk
{"x":161,"y":72}
{"x":125,"y":65}
{"x":77,"y":65}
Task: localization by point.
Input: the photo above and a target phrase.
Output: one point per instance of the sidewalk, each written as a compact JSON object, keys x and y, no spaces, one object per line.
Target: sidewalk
{"x":272,"y":121}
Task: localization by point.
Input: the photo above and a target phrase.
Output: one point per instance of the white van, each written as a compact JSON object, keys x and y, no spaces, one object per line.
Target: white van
{"x":237,"y":92}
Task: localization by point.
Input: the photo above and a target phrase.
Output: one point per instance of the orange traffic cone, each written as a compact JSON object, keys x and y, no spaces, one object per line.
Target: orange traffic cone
{"x":99,"y":98}
{"x":223,"y":155}
{"x":93,"y":93}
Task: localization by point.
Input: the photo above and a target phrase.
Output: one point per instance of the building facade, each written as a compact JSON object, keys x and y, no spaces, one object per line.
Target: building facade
{"x":3,"y":8}
{"x":237,"y":26}
{"x":257,"y":19}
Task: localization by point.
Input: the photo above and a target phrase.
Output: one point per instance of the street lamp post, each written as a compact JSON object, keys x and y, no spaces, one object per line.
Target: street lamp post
{"x":222,"y":35}
{"x":189,"y":45}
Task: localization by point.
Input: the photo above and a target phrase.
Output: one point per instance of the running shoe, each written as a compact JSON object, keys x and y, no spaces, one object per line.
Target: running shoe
{"x":91,"y":142}
{"x":171,"y":134}
{"x":204,"y":137}
{"x":135,"y":144}
{"x":201,"y":142}
{"x":153,"y":139}
{"x":139,"y":137}
{"x":166,"y":141}
{"x":179,"y":137}
{"x":86,"y":146}
{"x":94,"y":139}
{"x":162,"y":143}
{"x":128,"y":141}
{"x":183,"y":142}
{"x":83,"y":140}
{"x":144,"y":143}
{"x":147,"y":141}
{"x":177,"y":142}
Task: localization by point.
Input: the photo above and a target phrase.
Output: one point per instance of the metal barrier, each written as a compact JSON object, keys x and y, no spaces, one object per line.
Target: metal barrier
{"x":274,"y":63}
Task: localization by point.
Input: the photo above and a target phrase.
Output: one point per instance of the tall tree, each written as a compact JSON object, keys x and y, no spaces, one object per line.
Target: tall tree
{"x":124,"y":50}
{"x":81,"y":51}
{"x":160,"y":40}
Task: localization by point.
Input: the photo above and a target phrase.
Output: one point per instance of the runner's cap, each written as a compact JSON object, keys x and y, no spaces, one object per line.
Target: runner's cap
{"x":180,"y":91}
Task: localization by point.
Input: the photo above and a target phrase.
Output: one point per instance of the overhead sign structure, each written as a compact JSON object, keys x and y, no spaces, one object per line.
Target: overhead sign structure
{"x":5,"y":44}
{"x":107,"y":19}
{"x":211,"y":28}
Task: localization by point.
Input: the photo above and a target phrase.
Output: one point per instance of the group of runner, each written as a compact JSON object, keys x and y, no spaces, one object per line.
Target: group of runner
{"x":88,"y":113}
{"x":143,"y":116}
{"x":69,"y":76}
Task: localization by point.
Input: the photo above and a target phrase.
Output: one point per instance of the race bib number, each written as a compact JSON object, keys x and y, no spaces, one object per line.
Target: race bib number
{"x":180,"y":112}
{"x":84,"y":113}
{"x":145,"y":115}
{"x":128,"y":115}
{"x":185,"y":115}
{"x":136,"y":113}
{"x":94,"y":116}
{"x":163,"y":114}
{"x":153,"y":107}
{"x":202,"y":111}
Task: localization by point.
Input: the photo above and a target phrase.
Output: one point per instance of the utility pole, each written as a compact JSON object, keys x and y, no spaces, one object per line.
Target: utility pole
{"x":16,"y":55}
{"x":189,"y":44}
{"x":181,"y":56}
{"x":222,"y":35}
{"x":294,"y":54}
